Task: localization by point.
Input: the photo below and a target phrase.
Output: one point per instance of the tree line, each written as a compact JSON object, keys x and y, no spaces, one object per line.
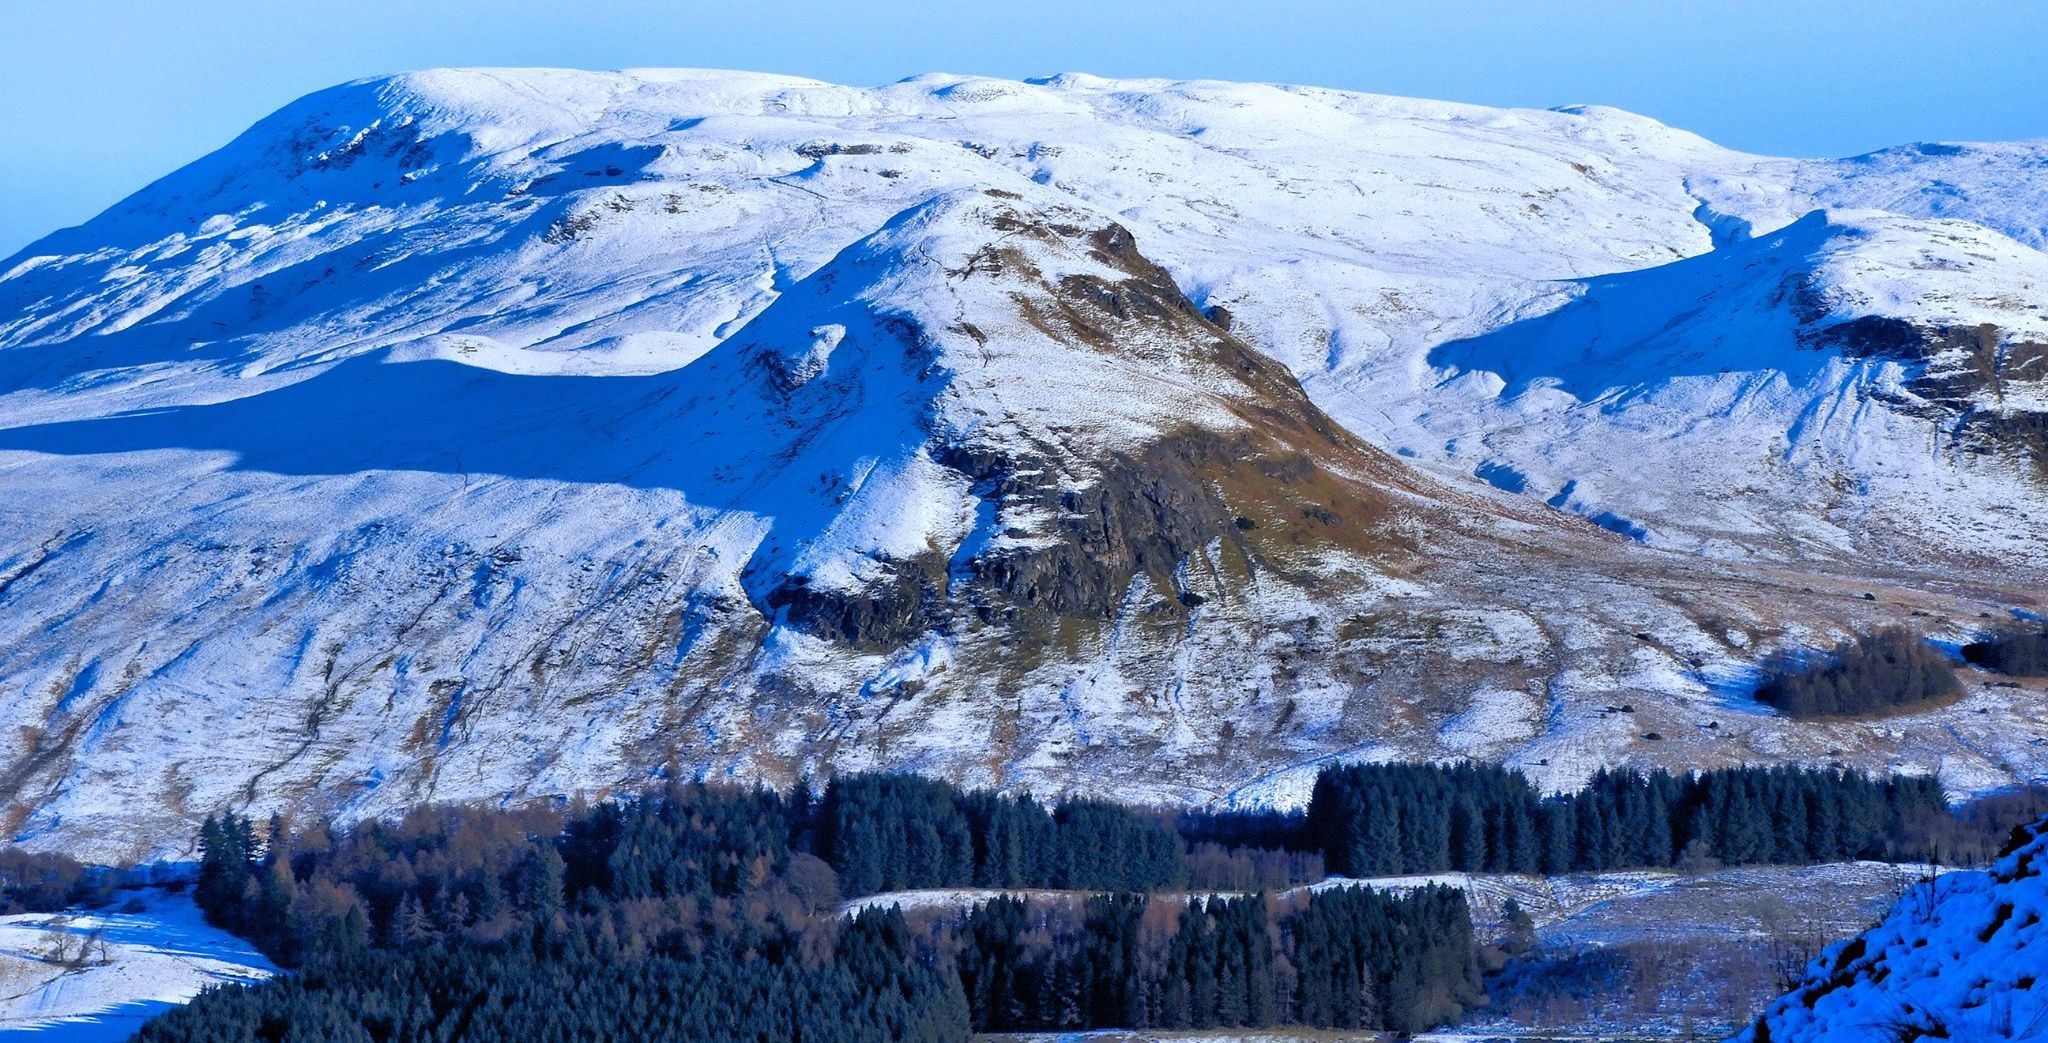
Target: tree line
{"x":1389,"y":819}
{"x":44,"y":882}
{"x":895,"y":832}
{"x":712,"y":912}
{"x":565,"y":981}
{"x":1348,"y":957}
{"x":874,"y":833}
{"x":888,"y":832}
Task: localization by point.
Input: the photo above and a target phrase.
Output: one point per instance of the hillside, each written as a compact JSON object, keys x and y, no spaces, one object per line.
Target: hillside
{"x":483,"y":434}
{"x":1958,"y":957}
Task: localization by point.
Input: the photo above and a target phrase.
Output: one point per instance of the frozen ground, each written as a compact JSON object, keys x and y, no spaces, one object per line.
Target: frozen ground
{"x":1582,"y":909}
{"x":87,"y":977}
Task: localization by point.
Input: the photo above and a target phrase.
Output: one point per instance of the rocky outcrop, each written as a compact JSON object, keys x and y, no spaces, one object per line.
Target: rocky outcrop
{"x":902,"y":603}
{"x":1259,"y":464}
{"x":1984,"y":386}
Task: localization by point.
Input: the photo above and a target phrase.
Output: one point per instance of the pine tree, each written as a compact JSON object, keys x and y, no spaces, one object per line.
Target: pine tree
{"x":1518,"y":931}
{"x":1468,"y":837}
{"x":410,"y":927}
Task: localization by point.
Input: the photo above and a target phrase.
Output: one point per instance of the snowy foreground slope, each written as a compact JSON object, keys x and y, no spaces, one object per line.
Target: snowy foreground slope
{"x":493,"y":433}
{"x":81,"y":977}
{"x":1959,"y":958}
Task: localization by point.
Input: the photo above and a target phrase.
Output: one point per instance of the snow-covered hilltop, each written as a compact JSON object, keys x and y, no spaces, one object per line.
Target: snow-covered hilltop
{"x":475,"y":434}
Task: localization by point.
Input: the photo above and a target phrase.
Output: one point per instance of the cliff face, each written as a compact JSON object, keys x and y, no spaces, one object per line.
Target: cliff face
{"x":1072,"y":507}
{"x":1983,"y":387}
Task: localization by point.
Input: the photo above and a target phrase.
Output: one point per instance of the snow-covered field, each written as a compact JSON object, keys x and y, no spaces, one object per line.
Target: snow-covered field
{"x":1598,"y":908}
{"x":87,"y":977}
{"x":485,"y":434}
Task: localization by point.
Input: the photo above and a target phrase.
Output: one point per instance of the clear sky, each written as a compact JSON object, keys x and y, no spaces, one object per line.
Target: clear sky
{"x":97,"y":97}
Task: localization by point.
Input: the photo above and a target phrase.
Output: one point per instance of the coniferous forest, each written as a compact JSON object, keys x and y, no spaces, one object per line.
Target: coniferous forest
{"x":1384,"y":819}
{"x":717,"y":913}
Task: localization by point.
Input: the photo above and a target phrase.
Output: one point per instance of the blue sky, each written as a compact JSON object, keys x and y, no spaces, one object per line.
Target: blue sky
{"x":97,"y":97}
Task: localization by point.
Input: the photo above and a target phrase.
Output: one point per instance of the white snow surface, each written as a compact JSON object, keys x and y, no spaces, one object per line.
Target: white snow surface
{"x":153,"y":959}
{"x":443,"y":435}
{"x":1959,"y":957}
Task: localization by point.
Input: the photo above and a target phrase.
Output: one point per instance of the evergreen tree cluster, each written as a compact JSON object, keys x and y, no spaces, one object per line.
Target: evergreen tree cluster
{"x":2019,"y":651}
{"x":439,"y":872}
{"x":701,"y":912}
{"x":1405,"y":961}
{"x":1390,"y":819}
{"x":680,"y":842}
{"x":1873,"y":674}
{"x":569,"y":985}
{"x":1350,"y":958}
{"x":901,"y":832}
{"x":683,"y":913}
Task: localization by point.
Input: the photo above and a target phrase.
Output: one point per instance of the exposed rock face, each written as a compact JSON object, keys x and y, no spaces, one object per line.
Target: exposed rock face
{"x":902,"y":602}
{"x":1989,"y":390}
{"x":1258,"y":448}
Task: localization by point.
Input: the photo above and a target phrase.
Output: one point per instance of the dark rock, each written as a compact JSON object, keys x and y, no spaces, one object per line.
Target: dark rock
{"x":883,"y":615}
{"x":1977,"y":363}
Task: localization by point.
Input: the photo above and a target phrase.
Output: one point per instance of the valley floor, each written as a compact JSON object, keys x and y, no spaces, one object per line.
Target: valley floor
{"x":1677,"y":957}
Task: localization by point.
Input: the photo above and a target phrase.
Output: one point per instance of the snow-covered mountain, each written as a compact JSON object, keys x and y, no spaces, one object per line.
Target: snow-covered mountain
{"x":1958,"y":957}
{"x":476,"y":434}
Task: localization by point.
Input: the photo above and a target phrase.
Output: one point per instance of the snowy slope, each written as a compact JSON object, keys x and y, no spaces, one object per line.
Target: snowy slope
{"x":1871,"y":383}
{"x":1959,"y":957}
{"x":489,"y":433}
